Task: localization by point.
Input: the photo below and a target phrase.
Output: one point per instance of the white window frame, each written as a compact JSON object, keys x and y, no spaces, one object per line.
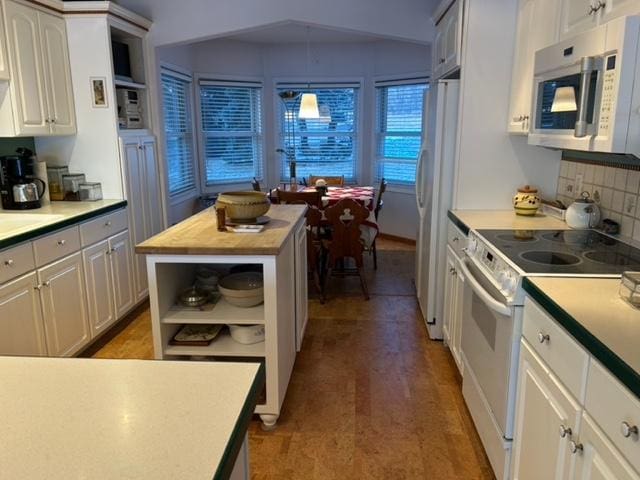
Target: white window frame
{"x":183,"y":73}
{"x":323,"y":82}
{"x":391,"y":80}
{"x":208,"y":76}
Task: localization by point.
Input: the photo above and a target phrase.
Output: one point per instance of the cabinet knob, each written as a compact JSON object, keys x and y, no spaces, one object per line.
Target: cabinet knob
{"x":9,"y":263}
{"x":601,"y":4}
{"x":564,"y":431}
{"x":543,"y":337}
{"x":442,"y":60}
{"x":456,"y":239}
{"x":107,"y":223}
{"x":628,"y":430}
{"x":452,"y":271}
{"x":575,"y":447}
{"x":47,"y":120}
{"x":38,"y":287}
{"x":47,"y":283}
{"x":62,"y":242}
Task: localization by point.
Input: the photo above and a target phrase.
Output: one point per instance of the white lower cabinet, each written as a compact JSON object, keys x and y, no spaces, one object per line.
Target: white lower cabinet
{"x":453,"y":306}
{"x":121,"y":263}
{"x":21,"y":327}
{"x":64,"y":306}
{"x":547,"y":416}
{"x":302,"y":286}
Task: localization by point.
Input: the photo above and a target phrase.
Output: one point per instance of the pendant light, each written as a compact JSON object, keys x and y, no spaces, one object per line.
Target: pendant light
{"x":309,"y":101}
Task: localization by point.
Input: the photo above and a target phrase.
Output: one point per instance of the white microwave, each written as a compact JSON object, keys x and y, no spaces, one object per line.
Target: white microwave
{"x":586,"y":92}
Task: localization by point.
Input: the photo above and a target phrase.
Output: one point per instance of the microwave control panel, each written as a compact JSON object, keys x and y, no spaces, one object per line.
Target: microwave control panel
{"x":609,"y":87}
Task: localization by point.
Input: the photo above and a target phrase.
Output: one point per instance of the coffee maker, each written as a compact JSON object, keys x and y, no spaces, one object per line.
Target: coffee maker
{"x":19,"y":189}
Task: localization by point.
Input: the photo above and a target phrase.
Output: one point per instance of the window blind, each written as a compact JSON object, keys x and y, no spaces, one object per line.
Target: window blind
{"x":328,"y":145}
{"x":176,"y":98}
{"x":399,"y":131}
{"x":232,"y":131}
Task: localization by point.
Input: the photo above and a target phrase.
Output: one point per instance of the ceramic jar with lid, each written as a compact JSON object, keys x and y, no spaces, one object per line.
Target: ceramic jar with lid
{"x":526,"y":201}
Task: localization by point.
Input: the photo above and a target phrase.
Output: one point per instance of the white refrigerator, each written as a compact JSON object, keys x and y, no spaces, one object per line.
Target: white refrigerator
{"x":434,"y":192}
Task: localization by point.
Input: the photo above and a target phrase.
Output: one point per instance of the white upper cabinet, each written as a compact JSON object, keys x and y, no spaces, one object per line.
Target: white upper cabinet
{"x":40,"y":98}
{"x":580,"y":15}
{"x":537,"y":28}
{"x":447,"y":45}
{"x":4,"y":62}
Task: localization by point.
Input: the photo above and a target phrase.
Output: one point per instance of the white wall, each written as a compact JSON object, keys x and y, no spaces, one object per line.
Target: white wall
{"x":363,"y":61}
{"x":186,"y":21}
{"x":492,"y":164}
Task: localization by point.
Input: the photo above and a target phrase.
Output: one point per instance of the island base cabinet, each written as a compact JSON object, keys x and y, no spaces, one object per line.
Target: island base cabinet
{"x":64,"y":307}
{"x":302,"y":285}
{"x":21,"y":326}
{"x":547,"y":417}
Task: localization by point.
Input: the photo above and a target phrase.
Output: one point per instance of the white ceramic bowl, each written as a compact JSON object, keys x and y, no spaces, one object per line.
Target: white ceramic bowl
{"x":247,"y":334}
{"x":243,"y":289}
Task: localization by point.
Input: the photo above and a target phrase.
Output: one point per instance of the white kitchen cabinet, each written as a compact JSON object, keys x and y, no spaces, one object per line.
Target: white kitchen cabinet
{"x":21,"y":324}
{"x":4,"y":61}
{"x":302,"y":285}
{"x":121,"y":265}
{"x":454,"y":285}
{"x":447,"y":50}
{"x":597,"y":458}
{"x":580,"y":15}
{"x":64,"y":306}
{"x":547,"y":419}
{"x":97,"y":269}
{"x":40,"y":97}
{"x":618,"y":8}
{"x":537,"y":28}
{"x":143,"y":193}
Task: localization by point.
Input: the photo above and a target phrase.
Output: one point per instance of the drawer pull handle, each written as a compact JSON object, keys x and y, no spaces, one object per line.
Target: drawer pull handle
{"x":628,"y":430}
{"x":564,"y":431}
{"x":62,"y":242}
{"x":543,"y":337}
{"x":9,"y":263}
{"x":575,"y":447}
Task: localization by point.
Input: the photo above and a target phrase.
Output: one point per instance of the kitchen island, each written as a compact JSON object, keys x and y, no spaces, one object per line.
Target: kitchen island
{"x":279,"y":251}
{"x":119,"y":419}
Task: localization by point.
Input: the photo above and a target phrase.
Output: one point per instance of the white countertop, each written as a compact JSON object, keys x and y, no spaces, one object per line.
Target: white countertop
{"x":118,"y":419}
{"x":507,"y":219}
{"x":19,"y":222}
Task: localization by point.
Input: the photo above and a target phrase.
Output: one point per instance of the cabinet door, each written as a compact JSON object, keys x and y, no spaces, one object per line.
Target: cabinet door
{"x":97,"y":270}
{"x":438,"y":50}
{"x":597,"y":458}
{"x":21,"y":327}
{"x":577,"y":16}
{"x":458,"y":312}
{"x":302,"y":301}
{"x":131,"y":155}
{"x":544,"y":413}
{"x":122,"y":272}
{"x":449,"y":298}
{"x":4,"y":61}
{"x":452,"y":37}
{"x":27,"y":75}
{"x":55,"y":59}
{"x":153,"y":205}
{"x":64,"y":306}
{"x":618,"y":8}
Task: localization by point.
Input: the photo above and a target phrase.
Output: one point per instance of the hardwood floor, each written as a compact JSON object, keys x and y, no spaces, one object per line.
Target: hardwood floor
{"x":370,"y":396}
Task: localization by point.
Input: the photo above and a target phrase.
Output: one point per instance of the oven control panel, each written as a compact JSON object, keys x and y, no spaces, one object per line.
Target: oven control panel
{"x":490,"y":262}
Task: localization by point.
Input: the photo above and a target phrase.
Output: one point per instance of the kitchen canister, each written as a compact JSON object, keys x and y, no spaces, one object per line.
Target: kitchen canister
{"x":526,"y":201}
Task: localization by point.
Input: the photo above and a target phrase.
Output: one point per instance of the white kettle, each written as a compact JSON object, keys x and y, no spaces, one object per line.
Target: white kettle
{"x":583,"y":213}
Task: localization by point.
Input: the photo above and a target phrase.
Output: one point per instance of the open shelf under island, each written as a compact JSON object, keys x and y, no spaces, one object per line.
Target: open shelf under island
{"x":172,"y":258}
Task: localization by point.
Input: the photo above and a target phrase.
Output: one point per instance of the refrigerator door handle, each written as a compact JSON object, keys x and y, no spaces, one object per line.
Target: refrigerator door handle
{"x":419,"y":180}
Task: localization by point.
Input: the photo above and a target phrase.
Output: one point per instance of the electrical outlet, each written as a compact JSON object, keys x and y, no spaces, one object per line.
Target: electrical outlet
{"x":579,"y":183}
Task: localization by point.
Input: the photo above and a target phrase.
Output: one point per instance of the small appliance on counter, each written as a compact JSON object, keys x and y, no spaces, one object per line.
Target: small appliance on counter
{"x":583,"y":213}
{"x":19,"y":189}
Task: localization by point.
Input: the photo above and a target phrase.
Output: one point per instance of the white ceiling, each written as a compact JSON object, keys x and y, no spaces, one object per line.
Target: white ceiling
{"x":294,"y":32}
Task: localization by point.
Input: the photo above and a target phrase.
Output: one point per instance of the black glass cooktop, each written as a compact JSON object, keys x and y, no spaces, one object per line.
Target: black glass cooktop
{"x":577,"y":252}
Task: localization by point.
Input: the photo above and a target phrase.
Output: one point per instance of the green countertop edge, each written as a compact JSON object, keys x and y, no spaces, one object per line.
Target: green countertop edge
{"x":37,"y":232}
{"x":459,"y":223}
{"x":623,"y":372}
{"x":230,"y":455}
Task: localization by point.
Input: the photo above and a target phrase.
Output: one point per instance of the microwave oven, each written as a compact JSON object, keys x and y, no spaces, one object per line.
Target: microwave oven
{"x":586,"y":91}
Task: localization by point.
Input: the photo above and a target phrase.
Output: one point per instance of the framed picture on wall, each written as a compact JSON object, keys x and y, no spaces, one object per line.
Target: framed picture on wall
{"x":99,"y":92}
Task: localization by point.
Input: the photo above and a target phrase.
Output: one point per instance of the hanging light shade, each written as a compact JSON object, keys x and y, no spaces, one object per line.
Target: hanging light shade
{"x":309,"y":106}
{"x":564,"y":100}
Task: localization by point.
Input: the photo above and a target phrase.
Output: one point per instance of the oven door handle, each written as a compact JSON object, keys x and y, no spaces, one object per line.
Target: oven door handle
{"x":587,"y":66}
{"x":485,"y":296}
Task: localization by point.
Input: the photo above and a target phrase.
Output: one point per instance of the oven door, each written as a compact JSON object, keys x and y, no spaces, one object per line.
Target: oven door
{"x":490,"y":335}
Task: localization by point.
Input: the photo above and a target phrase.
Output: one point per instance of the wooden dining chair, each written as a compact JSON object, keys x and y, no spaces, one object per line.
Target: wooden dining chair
{"x":310,"y":198}
{"x":332,"y":180}
{"x":379,"y":203}
{"x":256,"y":185}
{"x":345,"y":218}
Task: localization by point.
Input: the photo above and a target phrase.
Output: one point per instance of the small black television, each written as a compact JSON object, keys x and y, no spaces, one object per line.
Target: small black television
{"x":121,"y":61}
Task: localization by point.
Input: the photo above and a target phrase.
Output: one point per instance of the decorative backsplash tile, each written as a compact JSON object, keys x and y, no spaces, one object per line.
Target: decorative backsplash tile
{"x":615,"y":190}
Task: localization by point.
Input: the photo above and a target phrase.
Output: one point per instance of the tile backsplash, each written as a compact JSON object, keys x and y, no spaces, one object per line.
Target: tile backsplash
{"x":614,"y":189}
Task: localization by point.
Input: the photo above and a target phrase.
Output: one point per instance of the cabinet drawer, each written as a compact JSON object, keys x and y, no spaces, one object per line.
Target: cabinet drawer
{"x":610,"y":404}
{"x":57,"y":245}
{"x":456,"y":239}
{"x":564,"y":356}
{"x":102,"y":227}
{"x":15,"y":261}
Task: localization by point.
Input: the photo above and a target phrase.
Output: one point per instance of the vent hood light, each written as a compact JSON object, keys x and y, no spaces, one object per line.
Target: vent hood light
{"x":564,"y":100}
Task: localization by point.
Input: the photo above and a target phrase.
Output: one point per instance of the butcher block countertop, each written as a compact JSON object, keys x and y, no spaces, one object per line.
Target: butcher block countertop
{"x":199,"y":235}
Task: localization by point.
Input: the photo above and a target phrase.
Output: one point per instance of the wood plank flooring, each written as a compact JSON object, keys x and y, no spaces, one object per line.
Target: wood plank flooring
{"x":370,"y":396}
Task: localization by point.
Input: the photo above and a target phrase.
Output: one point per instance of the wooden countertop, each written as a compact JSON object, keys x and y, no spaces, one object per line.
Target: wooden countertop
{"x":199,"y":235}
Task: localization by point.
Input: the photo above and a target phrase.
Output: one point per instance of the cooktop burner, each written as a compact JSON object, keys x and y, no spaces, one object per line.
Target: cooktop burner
{"x":577,"y":252}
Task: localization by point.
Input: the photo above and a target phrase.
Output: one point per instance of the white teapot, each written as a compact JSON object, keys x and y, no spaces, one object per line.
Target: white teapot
{"x":583,"y":213}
